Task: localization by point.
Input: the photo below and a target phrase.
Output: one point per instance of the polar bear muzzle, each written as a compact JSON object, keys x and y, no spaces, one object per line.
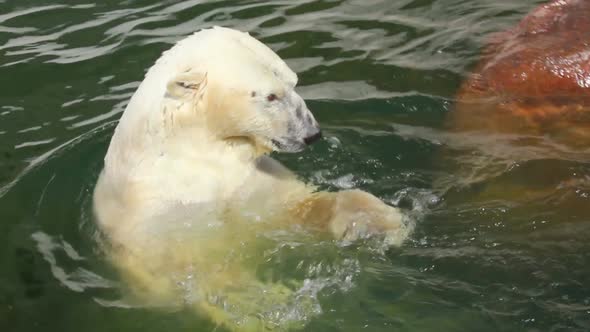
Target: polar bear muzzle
{"x":313,"y":138}
{"x":302,"y":129}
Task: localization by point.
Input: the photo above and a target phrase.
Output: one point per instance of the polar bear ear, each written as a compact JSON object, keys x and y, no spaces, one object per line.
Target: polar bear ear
{"x":188,"y":84}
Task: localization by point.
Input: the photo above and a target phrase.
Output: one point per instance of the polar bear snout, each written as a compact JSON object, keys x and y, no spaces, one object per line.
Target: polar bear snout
{"x":310,"y":139}
{"x":299,"y":128}
{"x":296,"y":145}
{"x":311,"y":129}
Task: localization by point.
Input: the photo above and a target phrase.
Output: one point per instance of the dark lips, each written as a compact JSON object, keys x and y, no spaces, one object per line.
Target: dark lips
{"x":313,"y":138}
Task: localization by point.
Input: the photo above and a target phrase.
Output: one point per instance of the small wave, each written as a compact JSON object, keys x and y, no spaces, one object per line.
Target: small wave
{"x":78,"y":280}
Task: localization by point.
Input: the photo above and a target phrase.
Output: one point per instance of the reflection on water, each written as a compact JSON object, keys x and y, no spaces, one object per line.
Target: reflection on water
{"x":77,"y":280}
{"x":380,"y":77}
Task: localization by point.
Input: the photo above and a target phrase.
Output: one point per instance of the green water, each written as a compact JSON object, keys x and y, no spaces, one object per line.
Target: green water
{"x":380,"y":77}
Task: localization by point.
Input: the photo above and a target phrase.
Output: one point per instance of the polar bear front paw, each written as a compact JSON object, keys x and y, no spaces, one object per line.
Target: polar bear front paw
{"x":358,"y":214}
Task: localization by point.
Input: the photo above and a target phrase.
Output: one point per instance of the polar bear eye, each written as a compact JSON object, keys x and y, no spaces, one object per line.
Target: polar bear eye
{"x":271,"y":97}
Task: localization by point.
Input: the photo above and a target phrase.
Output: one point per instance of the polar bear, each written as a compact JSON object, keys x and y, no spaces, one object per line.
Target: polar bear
{"x":187,"y":178}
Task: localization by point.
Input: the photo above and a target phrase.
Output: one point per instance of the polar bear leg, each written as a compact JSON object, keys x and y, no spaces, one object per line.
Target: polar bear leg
{"x":352,"y":214}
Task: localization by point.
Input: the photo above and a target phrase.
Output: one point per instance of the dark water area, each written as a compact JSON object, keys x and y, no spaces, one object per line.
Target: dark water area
{"x":488,"y":252}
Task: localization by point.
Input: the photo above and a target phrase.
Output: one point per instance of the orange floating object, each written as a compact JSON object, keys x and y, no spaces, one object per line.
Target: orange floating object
{"x":534,"y":78}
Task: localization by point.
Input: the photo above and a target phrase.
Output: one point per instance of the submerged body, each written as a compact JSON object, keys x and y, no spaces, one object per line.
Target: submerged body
{"x":187,"y":181}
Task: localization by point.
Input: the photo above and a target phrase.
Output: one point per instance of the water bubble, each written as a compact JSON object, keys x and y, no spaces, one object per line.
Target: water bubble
{"x":334,"y":142}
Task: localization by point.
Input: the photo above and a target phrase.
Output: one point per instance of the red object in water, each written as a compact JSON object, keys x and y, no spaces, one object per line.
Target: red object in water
{"x":534,"y":78}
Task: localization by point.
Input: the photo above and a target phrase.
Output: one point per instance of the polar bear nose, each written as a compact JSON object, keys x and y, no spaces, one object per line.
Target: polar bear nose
{"x":310,"y":139}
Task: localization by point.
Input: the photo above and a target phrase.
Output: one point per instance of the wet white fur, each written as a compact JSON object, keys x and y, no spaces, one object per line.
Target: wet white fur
{"x":190,"y":149}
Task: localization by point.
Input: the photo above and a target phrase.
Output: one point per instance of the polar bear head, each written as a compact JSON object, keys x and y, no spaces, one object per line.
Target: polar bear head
{"x":237,"y":88}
